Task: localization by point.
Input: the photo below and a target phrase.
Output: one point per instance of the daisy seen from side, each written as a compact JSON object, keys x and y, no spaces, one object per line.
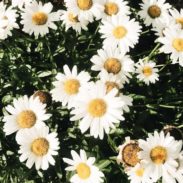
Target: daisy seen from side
{"x":8,"y":21}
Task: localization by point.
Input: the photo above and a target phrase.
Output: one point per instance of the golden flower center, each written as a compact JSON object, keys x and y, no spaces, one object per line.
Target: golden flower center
{"x":71,"y":86}
{"x":84,"y":4}
{"x":39,"y":18}
{"x":180,"y":21}
{"x":26,"y":119}
{"x":158,"y":155}
{"x":97,"y":107}
{"x":40,"y":146}
{"x":154,"y":11}
{"x":112,"y":65}
{"x":178,"y":44}
{"x":110,"y":85}
{"x":147,"y":71}
{"x":111,"y":8}
{"x":73,"y":18}
{"x":130,"y":154}
{"x":119,"y":32}
{"x":139,"y":172}
{"x":83,"y":170}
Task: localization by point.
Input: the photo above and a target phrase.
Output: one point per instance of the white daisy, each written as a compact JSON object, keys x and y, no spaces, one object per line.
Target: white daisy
{"x":68,"y":84}
{"x":177,"y":16}
{"x":37,"y":18}
{"x":159,"y":154}
{"x":110,"y":80}
{"x":113,"y":61}
{"x":179,"y":172}
{"x":97,"y":110}
{"x":8,"y":18}
{"x":71,"y":20}
{"x":138,"y":174}
{"x":38,"y":146}
{"x":85,"y":9}
{"x":115,"y":7}
{"x":20,"y":3}
{"x":154,"y":11}
{"x":85,"y":170}
{"x":128,"y":153}
{"x":159,"y":28}
{"x":147,"y":72}
{"x":120,"y":31}
{"x":173,"y":44}
{"x":24,"y":113}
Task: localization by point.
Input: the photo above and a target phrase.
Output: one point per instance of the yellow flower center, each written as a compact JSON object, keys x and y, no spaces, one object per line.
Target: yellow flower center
{"x":40,"y":146}
{"x":26,"y":119}
{"x":130,"y":154}
{"x":119,"y":32}
{"x":39,"y":18}
{"x":139,"y":172}
{"x":147,"y":71}
{"x":158,"y":155}
{"x":73,"y":18}
{"x":110,"y":85}
{"x":111,"y":8}
{"x":112,"y":65}
{"x":154,"y":11}
{"x":71,"y":86}
{"x":178,"y":44}
{"x":84,"y":4}
{"x":97,"y":107}
{"x":180,"y":21}
{"x":83,"y":170}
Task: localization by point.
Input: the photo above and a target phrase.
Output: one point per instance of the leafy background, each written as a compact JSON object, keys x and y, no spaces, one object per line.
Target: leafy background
{"x":28,"y":64}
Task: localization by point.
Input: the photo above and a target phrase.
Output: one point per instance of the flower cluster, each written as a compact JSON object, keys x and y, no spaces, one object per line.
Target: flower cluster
{"x":94,"y":97}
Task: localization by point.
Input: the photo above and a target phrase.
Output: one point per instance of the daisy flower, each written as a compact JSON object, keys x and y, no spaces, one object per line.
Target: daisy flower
{"x":115,"y":7}
{"x":173,"y":44}
{"x":177,"y":16}
{"x":24,"y":113}
{"x":84,"y":168}
{"x":20,"y":3}
{"x":110,"y":80}
{"x":85,"y":9}
{"x":71,"y":20}
{"x":159,"y":154}
{"x":113,"y":61}
{"x":120,"y":31}
{"x":8,"y":18}
{"x":67,"y":86}
{"x":154,"y":12}
{"x":138,"y":174}
{"x":128,"y":153}
{"x":37,"y":146}
{"x":38,"y":18}
{"x":97,"y":110}
{"x":179,"y":172}
{"x":147,"y":72}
